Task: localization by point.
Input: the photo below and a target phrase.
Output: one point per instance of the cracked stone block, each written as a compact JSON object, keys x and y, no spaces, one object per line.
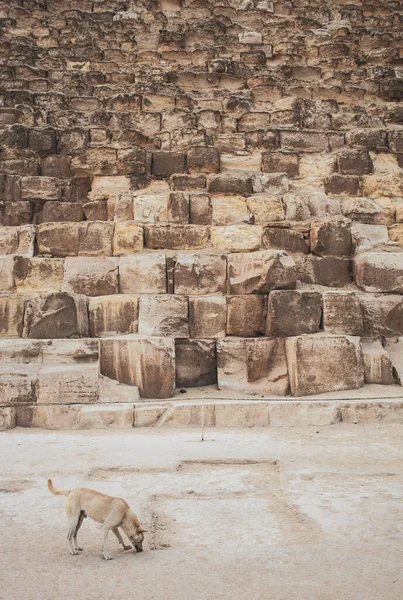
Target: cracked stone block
{"x":127,"y":239}
{"x":57,"y":315}
{"x":90,"y":238}
{"x":200,"y":274}
{"x":11,"y":316}
{"x":273,"y":184}
{"x":382,"y":315}
{"x":293,"y":312}
{"x":148,"y":364}
{"x":113,"y":315}
{"x":176,"y":237}
{"x":377,"y":365}
{"x":252,"y":366}
{"x":246,"y":315}
{"x":331,"y":271}
{"x":324,"y":363}
{"x":91,"y":276}
{"x":164,"y":315}
{"x":342,"y":313}
{"x":17,"y":240}
{"x":260,"y":272}
{"x":380,"y":271}
{"x":331,"y":237}
{"x":195,"y":363}
{"x":38,"y":275}
{"x":207,"y":316}
{"x":285,"y":239}
{"x":143,"y":274}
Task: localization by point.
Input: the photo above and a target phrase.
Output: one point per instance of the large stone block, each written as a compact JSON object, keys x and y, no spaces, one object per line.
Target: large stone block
{"x":228,"y":183}
{"x":331,"y":271}
{"x":91,"y":238}
{"x":260,"y":272}
{"x":265,"y":209}
{"x":228,"y":210}
{"x":236,"y":238}
{"x":365,"y":237}
{"x":207,"y":316}
{"x":342,"y":185}
{"x":246,"y":315}
{"x":176,"y":237}
{"x":203,"y":159}
{"x":293,"y":312}
{"x":165,"y":164}
{"x":195,"y":363}
{"x":16,"y":213}
{"x":11,"y":316}
{"x":38,"y":274}
{"x":39,"y":188}
{"x":377,"y":365}
{"x":92,"y":277}
{"x":285,"y":239}
{"x":127,"y":239}
{"x":17,"y":240}
{"x":380,"y":271}
{"x":354,"y":162}
{"x":367,"y":210}
{"x":68,"y":383}
{"x":331,"y":237}
{"x":8,"y":418}
{"x":324,"y":363}
{"x":7,"y":270}
{"x":394,"y":348}
{"x":342,"y":312}
{"x":280,"y":162}
{"x":57,"y":315}
{"x":200,"y":209}
{"x":382,"y":315}
{"x":16,"y":388}
{"x":200,"y":274}
{"x":113,"y":315}
{"x":304,"y":141}
{"x":252,"y":366}
{"x":164,"y":315}
{"x":143,"y":274}
{"x":178,"y":207}
{"x":148,"y":364}
{"x":150,"y":205}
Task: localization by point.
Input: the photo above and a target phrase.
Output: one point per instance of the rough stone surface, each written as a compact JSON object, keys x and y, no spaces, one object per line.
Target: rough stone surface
{"x":92,"y":277}
{"x":164,"y":315}
{"x":143,"y":274}
{"x":260,"y":272}
{"x":113,"y":315}
{"x":380,"y":271}
{"x":377,"y":365}
{"x":58,"y":315}
{"x":200,"y":274}
{"x":246,"y":315}
{"x":207,"y":316}
{"x":195,"y":363}
{"x":293,"y":312}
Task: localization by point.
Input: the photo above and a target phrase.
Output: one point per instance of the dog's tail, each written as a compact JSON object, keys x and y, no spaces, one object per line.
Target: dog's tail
{"x":55,"y":491}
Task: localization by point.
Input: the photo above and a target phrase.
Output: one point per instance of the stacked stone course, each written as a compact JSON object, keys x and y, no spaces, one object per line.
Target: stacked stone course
{"x":199,"y":192}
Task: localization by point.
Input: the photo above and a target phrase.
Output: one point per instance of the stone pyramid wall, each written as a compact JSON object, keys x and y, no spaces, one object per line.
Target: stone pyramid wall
{"x":199,"y":192}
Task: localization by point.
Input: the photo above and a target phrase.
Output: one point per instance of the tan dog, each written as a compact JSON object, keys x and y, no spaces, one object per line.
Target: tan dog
{"x":110,"y":511}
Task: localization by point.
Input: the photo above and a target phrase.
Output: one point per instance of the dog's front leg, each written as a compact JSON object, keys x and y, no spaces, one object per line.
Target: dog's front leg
{"x":120,"y":539}
{"x":106,"y":528}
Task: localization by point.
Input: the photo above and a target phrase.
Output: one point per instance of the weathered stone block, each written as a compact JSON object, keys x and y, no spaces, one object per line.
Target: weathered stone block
{"x":54,"y":211}
{"x":17,"y":240}
{"x":56,"y":166}
{"x":127,"y":239}
{"x":380,"y":271}
{"x":165,"y":164}
{"x":331,"y":271}
{"x":92,"y":277}
{"x":195,"y":363}
{"x":200,"y":274}
{"x":324,"y":363}
{"x":236,"y":238}
{"x":17,"y":389}
{"x":304,"y":141}
{"x":254,"y":121}
{"x":8,"y":418}
{"x":260,"y":272}
{"x":57,"y":315}
{"x":67,"y":384}
{"x":396,"y":234}
{"x":113,"y":315}
{"x":371,"y":139}
{"x":148,"y":364}
{"x":203,"y":159}
{"x":246,"y":315}
{"x":382,"y":315}
{"x":377,"y":365}
{"x":279,"y":162}
{"x":270,"y":183}
{"x":91,"y":238}
{"x":285,"y":239}
{"x":207,"y":316}
{"x":331,"y":237}
{"x":365,"y":237}
{"x":354,"y":162}
{"x":164,"y":315}
{"x":143,"y":274}
{"x":176,"y":237}
{"x":342,"y":313}
{"x":38,"y":274}
{"x":394,"y":348}
{"x":342,"y":185}
{"x":252,"y":366}
{"x":227,"y":183}
{"x":11,"y":316}
{"x":178,"y":207}
{"x":188,"y":182}
{"x":17,"y":213}
{"x":293,"y":312}
{"x":39,"y":188}
{"x":369,"y":211}
{"x":200,"y":209}
{"x":265,"y":209}
{"x":229,"y":210}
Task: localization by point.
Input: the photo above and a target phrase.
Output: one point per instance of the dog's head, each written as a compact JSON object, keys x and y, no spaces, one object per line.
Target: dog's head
{"x":134,"y":531}
{"x":137,"y":539}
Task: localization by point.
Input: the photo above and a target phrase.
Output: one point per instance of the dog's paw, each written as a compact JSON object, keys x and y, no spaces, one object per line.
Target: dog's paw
{"x":127,"y":547}
{"x":73,"y":552}
{"x":80,"y":549}
{"x":108,"y":557}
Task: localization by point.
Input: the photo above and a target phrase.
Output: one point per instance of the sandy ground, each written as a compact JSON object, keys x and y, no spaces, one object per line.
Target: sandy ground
{"x":292,"y":514}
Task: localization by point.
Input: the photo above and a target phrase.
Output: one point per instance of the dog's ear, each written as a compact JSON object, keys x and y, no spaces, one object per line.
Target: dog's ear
{"x":141,"y":530}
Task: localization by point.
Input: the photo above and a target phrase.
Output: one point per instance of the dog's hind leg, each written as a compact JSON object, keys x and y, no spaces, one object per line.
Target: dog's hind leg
{"x":120,"y":539}
{"x":80,"y":522}
{"x":73,"y":523}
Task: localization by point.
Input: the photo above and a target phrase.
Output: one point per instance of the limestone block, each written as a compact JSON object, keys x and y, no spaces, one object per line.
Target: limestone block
{"x":367,"y":210}
{"x":281,"y":162}
{"x":16,"y":213}
{"x":39,"y":188}
{"x":293,"y":312}
{"x":270,"y":183}
{"x":178,"y":207}
{"x":113,"y":315}
{"x":68,"y":352}
{"x":143,"y":274}
{"x":236,"y":238}
{"x":127,"y":239}
{"x":380,"y":271}
{"x":260,"y":272}
{"x":254,"y":121}
{"x":16,"y":388}
{"x":7,"y":269}
{"x":342,"y":185}
{"x":187,"y":415}
{"x":285,"y":239}
{"x":252,"y":366}
{"x":11,"y":316}
{"x":354,"y":162}
{"x":372,"y":139}
{"x":246,"y":315}
{"x":151,"y":203}
{"x":165,"y":164}
{"x":56,"y":315}
{"x":91,"y":238}
{"x":164,"y":315}
{"x":331,"y":271}
{"x":91,"y":276}
{"x":342,"y":312}
{"x":265,"y":208}
{"x":111,"y":390}
{"x":250,"y":37}
{"x":365,"y":237}
{"x":229,"y":183}
{"x":241,"y":161}
{"x":228,"y":210}
{"x":38,"y":274}
{"x":195,"y":363}
{"x":396,"y":234}
{"x":377,"y":365}
{"x":203,"y":159}
{"x":176,"y":237}
{"x":248,"y":413}
{"x":54,"y":211}
{"x":66,"y":383}
{"x":303,"y":414}
{"x":8,"y":418}
{"x":17,"y":240}
{"x":200,"y":210}
{"x":95,"y":238}
{"x":200,"y":273}
{"x":382,"y":315}
{"x":207,"y":316}
{"x":111,"y":416}
{"x":148,"y":364}
{"x":95,"y":161}
{"x":56,"y":166}
{"x":324,"y":363}
{"x":187,"y":182}
{"x":331,"y":237}
{"x":383,"y":184}
{"x":304,"y":141}
{"x":395,"y":350}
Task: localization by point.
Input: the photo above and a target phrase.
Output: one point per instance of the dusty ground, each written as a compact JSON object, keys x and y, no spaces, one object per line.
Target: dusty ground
{"x":302,"y":514}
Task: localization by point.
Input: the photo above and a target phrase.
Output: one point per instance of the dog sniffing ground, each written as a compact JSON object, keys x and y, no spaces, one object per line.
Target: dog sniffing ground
{"x":290,"y":514}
